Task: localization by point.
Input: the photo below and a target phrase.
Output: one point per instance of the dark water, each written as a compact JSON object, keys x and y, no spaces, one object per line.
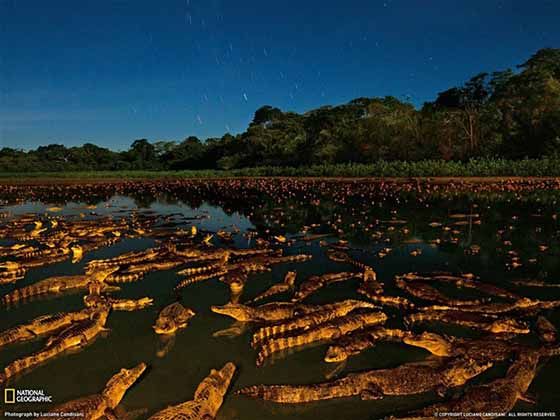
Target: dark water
{"x":526,"y":220}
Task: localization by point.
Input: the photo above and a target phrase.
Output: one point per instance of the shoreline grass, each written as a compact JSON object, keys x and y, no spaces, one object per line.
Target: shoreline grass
{"x":535,"y":168}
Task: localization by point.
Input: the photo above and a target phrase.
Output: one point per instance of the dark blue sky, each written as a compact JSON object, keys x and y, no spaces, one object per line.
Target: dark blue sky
{"x":111,"y":71}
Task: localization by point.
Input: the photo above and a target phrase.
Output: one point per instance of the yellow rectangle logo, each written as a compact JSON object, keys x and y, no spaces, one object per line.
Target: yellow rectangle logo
{"x":9,"y":396}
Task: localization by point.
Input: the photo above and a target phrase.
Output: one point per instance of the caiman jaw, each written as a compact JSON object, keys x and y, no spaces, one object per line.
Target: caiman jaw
{"x":119,"y":383}
{"x":232,"y":310}
{"x":434,"y":343}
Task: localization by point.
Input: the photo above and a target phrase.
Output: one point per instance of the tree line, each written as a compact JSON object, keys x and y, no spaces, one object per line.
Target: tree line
{"x":500,"y":115}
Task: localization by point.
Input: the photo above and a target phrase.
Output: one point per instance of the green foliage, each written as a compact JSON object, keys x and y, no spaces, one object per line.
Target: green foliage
{"x":471,"y":128}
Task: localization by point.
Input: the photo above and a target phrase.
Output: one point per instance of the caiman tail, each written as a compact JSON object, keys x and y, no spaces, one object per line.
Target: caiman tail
{"x":294,"y":394}
{"x":124,"y":278}
{"x":191,"y":280}
{"x":24,"y":293}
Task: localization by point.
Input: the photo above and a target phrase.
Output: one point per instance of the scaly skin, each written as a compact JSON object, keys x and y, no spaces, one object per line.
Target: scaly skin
{"x":101,"y":405}
{"x":42,"y":325}
{"x":124,"y":277}
{"x":326,"y":331}
{"x":172,"y":317}
{"x":124,"y":259}
{"x":326,"y":313}
{"x":314,"y":283}
{"x":489,"y":323}
{"x":424,"y":291}
{"x":208,"y":398}
{"x":406,"y":379}
{"x":55,"y":285}
{"x":154,"y":266}
{"x":97,"y":300}
{"x":355,"y":343}
{"x":285,"y":286}
{"x":371,"y":291}
{"x":79,"y":334}
{"x":524,"y":304}
{"x":498,"y":396}
{"x":273,"y":311}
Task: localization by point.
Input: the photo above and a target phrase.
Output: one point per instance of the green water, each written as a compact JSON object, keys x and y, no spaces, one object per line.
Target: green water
{"x":194,"y":351}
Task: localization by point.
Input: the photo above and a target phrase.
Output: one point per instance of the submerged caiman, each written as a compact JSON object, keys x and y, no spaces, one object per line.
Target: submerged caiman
{"x":406,"y":379}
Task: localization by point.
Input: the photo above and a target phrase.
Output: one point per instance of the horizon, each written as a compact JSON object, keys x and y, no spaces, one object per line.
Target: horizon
{"x":127,"y":70}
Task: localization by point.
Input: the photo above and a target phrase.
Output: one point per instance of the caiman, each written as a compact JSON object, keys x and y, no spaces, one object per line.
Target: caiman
{"x":269,"y":312}
{"x":101,"y":405}
{"x":357,"y":342}
{"x":284,"y":287}
{"x":326,"y":331}
{"x":314,"y":283}
{"x":406,"y":379}
{"x":76,"y":335}
{"x":55,"y":285}
{"x":427,"y":292}
{"x":42,"y":325}
{"x":96,"y":301}
{"x":483,"y":322}
{"x":171,"y":318}
{"x":208,"y":398}
{"x":372,"y":292}
{"x":491,"y":399}
{"x":463,"y":280}
{"x":303,"y":322}
{"x":520,"y":305}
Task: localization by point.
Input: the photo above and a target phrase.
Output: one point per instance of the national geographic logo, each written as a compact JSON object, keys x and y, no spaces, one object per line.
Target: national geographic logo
{"x":12,"y":396}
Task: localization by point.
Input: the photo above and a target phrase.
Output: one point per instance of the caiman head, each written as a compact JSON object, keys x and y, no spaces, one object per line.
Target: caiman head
{"x":168,"y":325}
{"x":235,"y":310}
{"x":509,"y":325}
{"x":103,"y":273}
{"x":290,"y":278}
{"x":336,"y":354}
{"x":432,"y":342}
{"x":218,"y":381}
{"x":118,"y":385}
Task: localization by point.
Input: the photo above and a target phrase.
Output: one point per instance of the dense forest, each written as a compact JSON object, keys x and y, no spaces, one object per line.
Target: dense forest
{"x":505,"y":114}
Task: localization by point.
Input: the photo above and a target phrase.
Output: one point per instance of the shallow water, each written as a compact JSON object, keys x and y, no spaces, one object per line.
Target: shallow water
{"x":367,"y":225}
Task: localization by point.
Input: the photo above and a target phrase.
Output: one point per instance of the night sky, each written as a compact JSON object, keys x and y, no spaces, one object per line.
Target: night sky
{"x":111,"y":71}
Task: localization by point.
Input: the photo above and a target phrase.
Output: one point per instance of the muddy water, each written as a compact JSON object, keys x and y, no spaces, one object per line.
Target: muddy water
{"x":176,"y":366}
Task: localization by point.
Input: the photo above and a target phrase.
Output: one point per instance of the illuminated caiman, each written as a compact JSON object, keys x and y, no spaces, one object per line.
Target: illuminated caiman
{"x":285,"y":286}
{"x":427,"y":292}
{"x":359,"y":341}
{"x":325,"y":313}
{"x":42,"y":325}
{"x":76,"y":335}
{"x":326,"y":331}
{"x":101,"y":405}
{"x":498,"y":396}
{"x":208,"y":398}
{"x":313,"y":283}
{"x":484,"y":322}
{"x":520,"y":305}
{"x":406,"y":379}
{"x":55,"y":285}
{"x":171,"y":318}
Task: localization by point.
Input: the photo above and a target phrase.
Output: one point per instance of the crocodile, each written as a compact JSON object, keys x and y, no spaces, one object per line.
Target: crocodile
{"x":359,"y":341}
{"x":100,"y":405}
{"x":56,"y":285}
{"x":371,"y":291}
{"x":463,"y":280}
{"x":124,"y":259}
{"x":171,"y":318}
{"x":153,"y":266}
{"x":269,"y":312}
{"x":208,"y":398}
{"x":286,"y":286}
{"x":424,"y":291}
{"x":76,"y":335}
{"x":305,"y":321}
{"x":490,"y":323}
{"x":406,"y":379}
{"x":42,"y":325}
{"x":491,"y":399}
{"x":313,"y":283}
{"x":326,"y":331}
{"x":94,"y":300}
{"x":523,"y":304}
